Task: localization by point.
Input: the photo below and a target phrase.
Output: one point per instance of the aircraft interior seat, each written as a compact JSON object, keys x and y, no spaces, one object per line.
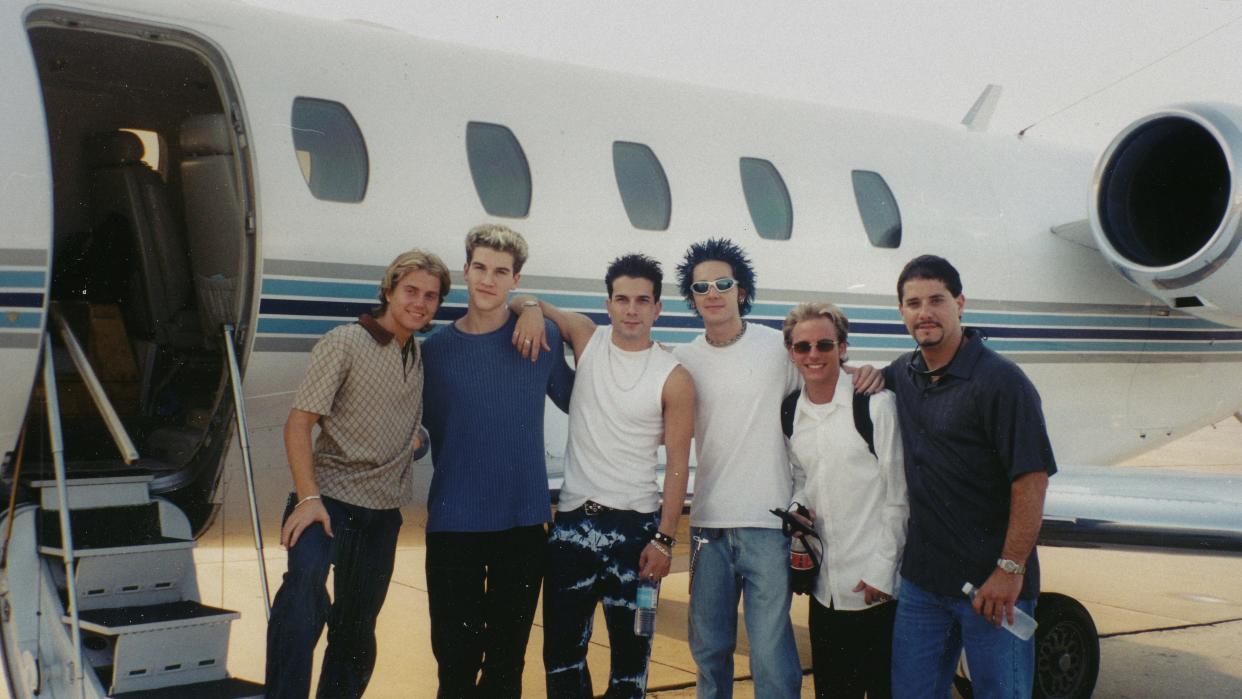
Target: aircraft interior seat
{"x":130,"y":201}
{"x":213,"y":216}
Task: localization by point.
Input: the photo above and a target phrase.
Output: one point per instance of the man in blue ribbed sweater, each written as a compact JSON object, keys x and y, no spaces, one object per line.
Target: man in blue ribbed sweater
{"x":488,"y":503}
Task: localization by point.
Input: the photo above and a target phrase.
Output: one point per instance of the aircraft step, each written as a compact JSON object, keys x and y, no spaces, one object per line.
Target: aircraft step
{"x":106,"y":527}
{"x":154,"y":617}
{"x":229,"y":688}
{"x":156,"y":646}
{"x":113,"y":490}
{"x":120,"y":548}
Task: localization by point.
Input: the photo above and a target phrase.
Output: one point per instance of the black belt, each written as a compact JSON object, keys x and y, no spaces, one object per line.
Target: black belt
{"x":592,"y":508}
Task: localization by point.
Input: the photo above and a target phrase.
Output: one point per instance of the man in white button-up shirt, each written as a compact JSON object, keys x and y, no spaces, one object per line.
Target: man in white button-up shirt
{"x":857,"y":502}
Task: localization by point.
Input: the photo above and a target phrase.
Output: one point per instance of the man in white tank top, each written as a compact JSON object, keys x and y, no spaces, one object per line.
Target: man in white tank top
{"x":611,"y":531}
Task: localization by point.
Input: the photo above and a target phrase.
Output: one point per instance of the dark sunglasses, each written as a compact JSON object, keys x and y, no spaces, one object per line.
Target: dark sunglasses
{"x":821,"y":345}
{"x":722,"y":285}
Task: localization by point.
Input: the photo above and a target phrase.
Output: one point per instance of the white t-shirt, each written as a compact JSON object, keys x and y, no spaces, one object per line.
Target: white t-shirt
{"x":743,"y":468}
{"x":859,"y":499}
{"x":616,"y":426}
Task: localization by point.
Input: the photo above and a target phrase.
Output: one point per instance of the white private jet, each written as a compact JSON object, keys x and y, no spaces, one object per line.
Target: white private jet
{"x":197,"y":191}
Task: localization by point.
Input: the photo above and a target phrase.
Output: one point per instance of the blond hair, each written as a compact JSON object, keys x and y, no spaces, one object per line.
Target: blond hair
{"x":411,"y":261}
{"x":811,"y":311}
{"x":499,"y":238}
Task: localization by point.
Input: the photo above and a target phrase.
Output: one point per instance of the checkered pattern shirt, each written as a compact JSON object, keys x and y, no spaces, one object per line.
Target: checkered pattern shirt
{"x":368,"y":390}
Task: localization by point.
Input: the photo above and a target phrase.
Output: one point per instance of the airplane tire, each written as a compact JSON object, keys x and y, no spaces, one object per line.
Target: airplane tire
{"x":1067,"y":649}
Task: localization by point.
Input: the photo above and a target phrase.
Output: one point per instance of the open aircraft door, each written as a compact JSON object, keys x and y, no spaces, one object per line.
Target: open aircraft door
{"x":25,"y":228}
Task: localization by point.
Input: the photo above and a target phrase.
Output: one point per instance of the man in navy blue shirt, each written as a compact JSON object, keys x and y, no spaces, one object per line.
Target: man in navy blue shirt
{"x":488,"y":503}
{"x":978,"y":460}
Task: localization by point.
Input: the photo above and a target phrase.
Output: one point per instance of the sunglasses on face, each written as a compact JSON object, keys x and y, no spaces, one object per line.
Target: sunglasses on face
{"x":722,"y":285}
{"x":821,"y":345}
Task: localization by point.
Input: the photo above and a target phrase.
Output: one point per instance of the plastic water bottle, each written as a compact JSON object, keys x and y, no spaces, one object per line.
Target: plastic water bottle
{"x":1023,"y":625}
{"x":645,"y":602}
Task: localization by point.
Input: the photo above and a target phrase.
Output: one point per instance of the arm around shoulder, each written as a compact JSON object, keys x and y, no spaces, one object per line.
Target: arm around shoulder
{"x":575,"y":327}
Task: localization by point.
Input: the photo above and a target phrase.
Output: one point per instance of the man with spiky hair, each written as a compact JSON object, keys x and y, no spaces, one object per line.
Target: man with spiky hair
{"x":363,"y":388}
{"x":488,"y":503}
{"x":611,"y":529}
{"x":741,"y":375}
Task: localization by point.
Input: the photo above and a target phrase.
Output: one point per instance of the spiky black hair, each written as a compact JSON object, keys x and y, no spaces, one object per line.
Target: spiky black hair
{"x":722,"y":250}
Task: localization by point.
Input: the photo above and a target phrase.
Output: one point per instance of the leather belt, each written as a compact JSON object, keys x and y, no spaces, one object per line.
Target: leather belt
{"x":592,"y":508}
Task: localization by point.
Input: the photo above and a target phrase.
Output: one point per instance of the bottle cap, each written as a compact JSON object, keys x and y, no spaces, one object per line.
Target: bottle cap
{"x":967,"y":588}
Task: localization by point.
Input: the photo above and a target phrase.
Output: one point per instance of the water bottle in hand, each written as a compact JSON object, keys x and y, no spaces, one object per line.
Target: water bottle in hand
{"x":645,"y":602}
{"x":1023,"y":625}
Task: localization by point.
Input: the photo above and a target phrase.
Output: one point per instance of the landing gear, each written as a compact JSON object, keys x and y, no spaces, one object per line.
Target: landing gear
{"x":1067,"y":651}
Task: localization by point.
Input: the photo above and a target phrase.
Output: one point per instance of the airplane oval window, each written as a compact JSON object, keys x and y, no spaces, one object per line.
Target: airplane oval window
{"x":499,"y":169}
{"x":878,"y":208}
{"x":643,"y":186}
{"x":767,"y":198}
{"x":330,"y":150}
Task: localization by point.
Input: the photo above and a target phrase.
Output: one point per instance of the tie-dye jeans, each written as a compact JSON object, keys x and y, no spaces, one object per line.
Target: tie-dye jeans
{"x":594,"y":559}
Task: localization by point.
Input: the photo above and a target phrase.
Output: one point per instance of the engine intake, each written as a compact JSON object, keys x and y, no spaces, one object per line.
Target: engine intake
{"x":1165,"y":208}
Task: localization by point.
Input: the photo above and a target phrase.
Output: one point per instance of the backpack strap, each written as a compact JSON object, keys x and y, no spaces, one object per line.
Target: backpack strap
{"x":789,"y":406}
{"x":862,"y":417}
{"x":862,"y":420}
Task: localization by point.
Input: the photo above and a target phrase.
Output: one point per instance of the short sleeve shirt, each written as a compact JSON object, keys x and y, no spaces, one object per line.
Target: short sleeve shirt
{"x":966,"y":437}
{"x":368,"y":391}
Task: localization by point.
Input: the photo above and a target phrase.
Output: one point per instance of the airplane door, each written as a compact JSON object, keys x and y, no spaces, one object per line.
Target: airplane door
{"x":26,"y":231}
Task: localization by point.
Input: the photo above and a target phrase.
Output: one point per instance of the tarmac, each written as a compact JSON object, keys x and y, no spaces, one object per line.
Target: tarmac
{"x":1170,"y":624}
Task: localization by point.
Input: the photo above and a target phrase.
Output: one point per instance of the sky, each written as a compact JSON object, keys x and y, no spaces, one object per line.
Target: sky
{"x":1070,"y":71}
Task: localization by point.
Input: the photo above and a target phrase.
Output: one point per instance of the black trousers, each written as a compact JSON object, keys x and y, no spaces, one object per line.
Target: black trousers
{"x":852,"y":652}
{"x":482,"y":589}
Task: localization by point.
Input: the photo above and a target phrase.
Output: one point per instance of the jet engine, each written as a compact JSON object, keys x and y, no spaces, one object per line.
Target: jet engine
{"x":1166,"y":208}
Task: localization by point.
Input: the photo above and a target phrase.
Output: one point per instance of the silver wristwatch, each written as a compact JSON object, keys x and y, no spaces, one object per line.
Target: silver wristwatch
{"x":1011,"y":567}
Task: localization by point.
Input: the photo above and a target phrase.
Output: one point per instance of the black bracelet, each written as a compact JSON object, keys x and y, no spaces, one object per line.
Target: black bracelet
{"x":662,"y":538}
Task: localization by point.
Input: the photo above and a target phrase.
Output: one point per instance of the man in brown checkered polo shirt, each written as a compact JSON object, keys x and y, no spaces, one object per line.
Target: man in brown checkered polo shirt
{"x":363,"y":387}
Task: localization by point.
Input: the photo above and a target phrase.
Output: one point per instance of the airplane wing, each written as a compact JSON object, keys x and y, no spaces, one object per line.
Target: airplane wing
{"x":1125,"y":507}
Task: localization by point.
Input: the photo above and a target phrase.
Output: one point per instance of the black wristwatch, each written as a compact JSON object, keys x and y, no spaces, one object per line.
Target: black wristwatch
{"x":662,"y":538}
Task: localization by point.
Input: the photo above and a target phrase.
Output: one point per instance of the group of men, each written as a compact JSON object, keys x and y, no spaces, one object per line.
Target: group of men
{"x":943,"y":486}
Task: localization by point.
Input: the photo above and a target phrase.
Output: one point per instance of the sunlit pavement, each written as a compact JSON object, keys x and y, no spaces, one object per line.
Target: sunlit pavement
{"x":1171,"y":624}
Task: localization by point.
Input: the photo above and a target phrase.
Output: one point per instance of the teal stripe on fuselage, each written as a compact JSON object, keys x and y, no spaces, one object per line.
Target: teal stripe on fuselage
{"x":328,"y":291}
{"x":21,"y":320}
{"x":299,"y":326}
{"x":353,"y":291}
{"x":1139,"y":346}
{"x":11,"y":279}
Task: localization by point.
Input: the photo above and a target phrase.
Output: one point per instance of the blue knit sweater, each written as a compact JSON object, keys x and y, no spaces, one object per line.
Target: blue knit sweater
{"x":483,"y":406}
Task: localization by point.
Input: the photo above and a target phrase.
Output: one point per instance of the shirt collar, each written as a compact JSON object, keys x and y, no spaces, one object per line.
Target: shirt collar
{"x":844,"y":395}
{"x":377,"y":331}
{"x":963,"y":363}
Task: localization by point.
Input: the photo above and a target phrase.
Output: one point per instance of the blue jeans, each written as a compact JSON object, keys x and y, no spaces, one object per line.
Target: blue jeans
{"x":928,"y":637}
{"x":361,"y":553}
{"x":593,"y":559}
{"x":751,"y":563}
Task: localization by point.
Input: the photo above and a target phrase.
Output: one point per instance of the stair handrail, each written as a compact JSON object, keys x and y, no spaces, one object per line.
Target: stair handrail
{"x":56,"y":436}
{"x":129,"y":453}
{"x":243,"y":437}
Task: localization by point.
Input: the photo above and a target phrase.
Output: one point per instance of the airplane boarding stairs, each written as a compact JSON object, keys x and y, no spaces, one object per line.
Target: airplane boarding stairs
{"x":98,"y":592}
{"x":144,"y":632}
